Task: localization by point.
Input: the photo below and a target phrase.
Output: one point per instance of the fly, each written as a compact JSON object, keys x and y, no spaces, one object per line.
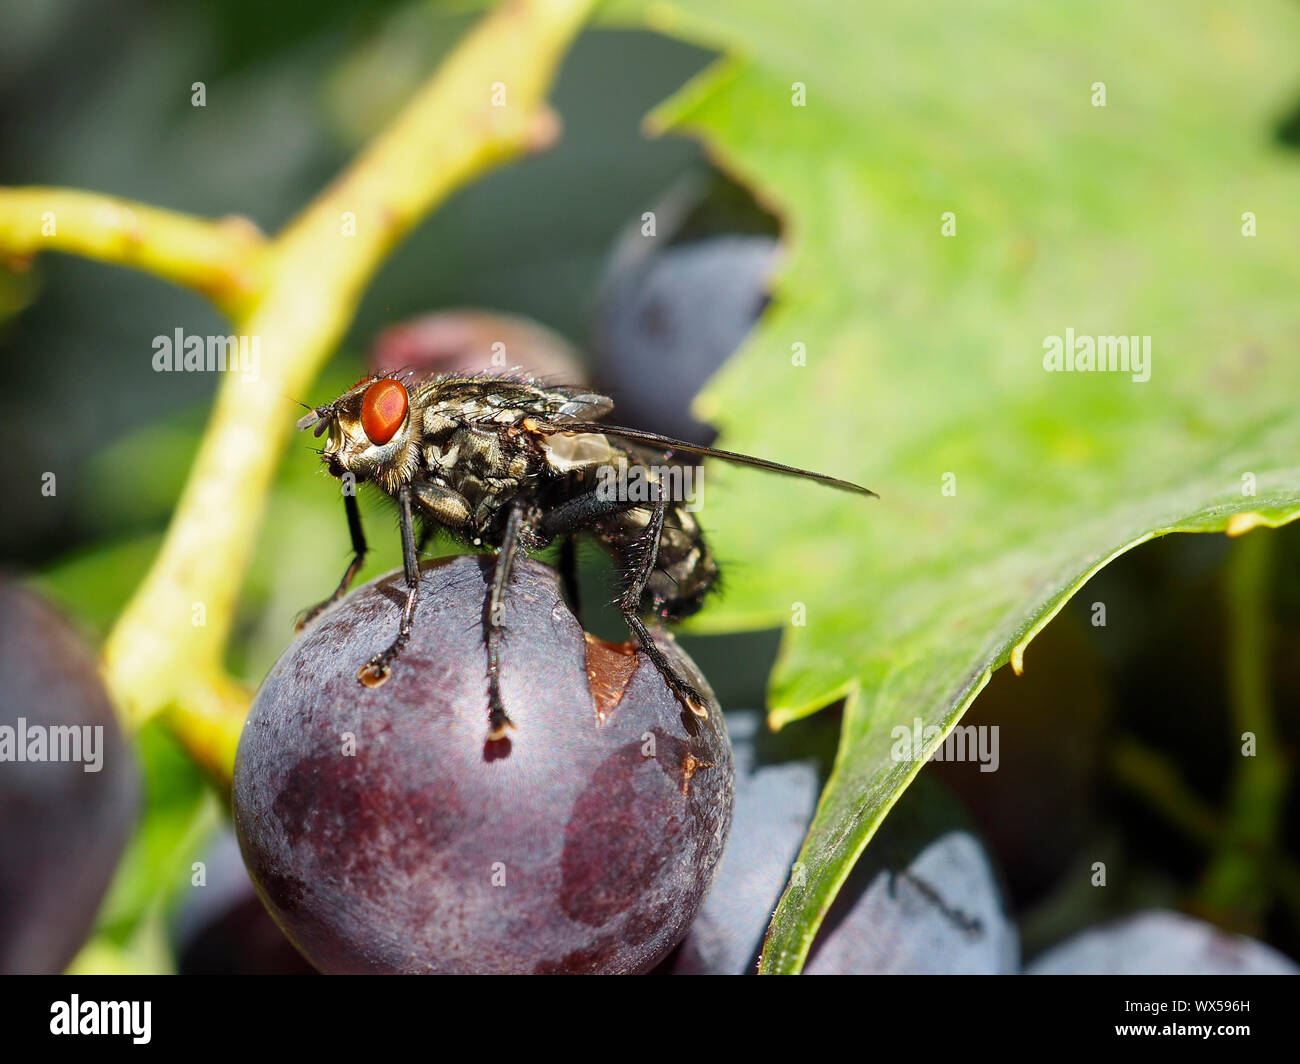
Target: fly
{"x":513,"y":463}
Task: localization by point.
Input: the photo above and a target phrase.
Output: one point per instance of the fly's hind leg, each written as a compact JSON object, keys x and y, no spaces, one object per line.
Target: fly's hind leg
{"x":630,"y":601}
{"x":375,"y":671}
{"x":587,"y":510}
{"x":682,"y":688}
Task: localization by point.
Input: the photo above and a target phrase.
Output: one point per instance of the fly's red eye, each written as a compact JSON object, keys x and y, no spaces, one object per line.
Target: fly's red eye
{"x":382,"y":410}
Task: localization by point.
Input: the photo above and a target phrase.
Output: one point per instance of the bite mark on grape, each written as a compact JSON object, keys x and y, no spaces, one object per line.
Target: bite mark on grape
{"x":610,"y":668}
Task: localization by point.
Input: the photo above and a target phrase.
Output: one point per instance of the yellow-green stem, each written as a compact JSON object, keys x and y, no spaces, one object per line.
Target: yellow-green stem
{"x":220,"y":259}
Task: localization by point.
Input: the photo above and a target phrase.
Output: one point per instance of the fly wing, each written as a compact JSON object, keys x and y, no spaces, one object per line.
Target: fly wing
{"x":668,"y":446}
{"x":583,"y":406}
{"x":484,"y":396}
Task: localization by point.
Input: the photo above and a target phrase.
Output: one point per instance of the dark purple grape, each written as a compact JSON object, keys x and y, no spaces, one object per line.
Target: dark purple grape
{"x":921,"y":904}
{"x":385,"y":834}
{"x":62,"y":828}
{"x":666,"y":322}
{"x":1161,"y":943}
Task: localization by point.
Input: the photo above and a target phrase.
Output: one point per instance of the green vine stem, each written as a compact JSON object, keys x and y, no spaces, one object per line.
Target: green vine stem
{"x":297,"y":292}
{"x":219,"y":259}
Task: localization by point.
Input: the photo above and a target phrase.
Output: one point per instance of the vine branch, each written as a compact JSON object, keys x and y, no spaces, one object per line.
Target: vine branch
{"x":218,"y":259}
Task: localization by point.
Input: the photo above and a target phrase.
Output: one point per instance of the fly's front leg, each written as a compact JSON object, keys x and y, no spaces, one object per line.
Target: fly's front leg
{"x":375,"y":671}
{"x":359,"y":549}
{"x":498,"y":720}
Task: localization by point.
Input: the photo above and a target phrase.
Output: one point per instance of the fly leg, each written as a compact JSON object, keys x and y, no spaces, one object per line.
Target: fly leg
{"x":587,"y":510}
{"x":375,"y":671}
{"x":499,"y":721}
{"x":359,"y":549}
{"x":631,"y":600}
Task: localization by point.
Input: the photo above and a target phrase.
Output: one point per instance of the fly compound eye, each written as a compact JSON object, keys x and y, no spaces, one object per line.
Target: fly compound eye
{"x":383,"y":408}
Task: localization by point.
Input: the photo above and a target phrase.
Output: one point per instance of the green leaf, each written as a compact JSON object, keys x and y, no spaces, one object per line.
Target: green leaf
{"x":925,"y":352}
